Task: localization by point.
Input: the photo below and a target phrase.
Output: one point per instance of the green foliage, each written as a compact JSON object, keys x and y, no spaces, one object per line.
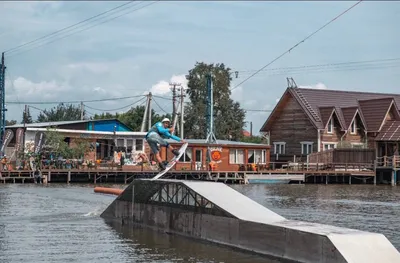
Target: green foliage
{"x":27,"y":117}
{"x":12,"y":122}
{"x":62,"y":112}
{"x":56,"y":144}
{"x":228,"y":115}
{"x":133,"y":117}
{"x":254,"y":139}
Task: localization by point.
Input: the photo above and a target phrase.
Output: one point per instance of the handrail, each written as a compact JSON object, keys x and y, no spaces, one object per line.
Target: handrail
{"x":388,"y":161}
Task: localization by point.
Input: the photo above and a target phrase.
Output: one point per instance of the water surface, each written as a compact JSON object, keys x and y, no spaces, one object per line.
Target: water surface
{"x":60,"y":223}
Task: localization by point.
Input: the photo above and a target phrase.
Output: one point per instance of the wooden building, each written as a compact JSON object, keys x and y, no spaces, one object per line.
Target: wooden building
{"x":227,"y":155}
{"x":314,"y":120}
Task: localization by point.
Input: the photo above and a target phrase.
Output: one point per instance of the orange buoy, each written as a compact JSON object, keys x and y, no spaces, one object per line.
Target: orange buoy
{"x":105,"y":190}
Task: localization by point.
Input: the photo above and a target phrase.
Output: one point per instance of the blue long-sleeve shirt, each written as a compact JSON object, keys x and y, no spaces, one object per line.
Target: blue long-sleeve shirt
{"x":163,"y":132}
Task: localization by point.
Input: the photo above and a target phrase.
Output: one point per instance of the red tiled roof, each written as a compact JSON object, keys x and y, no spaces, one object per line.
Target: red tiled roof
{"x":325,"y":113}
{"x":318,"y":104}
{"x":246,"y":133}
{"x":374,"y":112}
{"x":312,"y":99}
{"x":390,"y":132}
{"x":348,"y":115}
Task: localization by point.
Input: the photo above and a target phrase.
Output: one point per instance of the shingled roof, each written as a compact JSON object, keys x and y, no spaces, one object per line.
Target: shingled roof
{"x":319,"y":103}
{"x":390,"y":132}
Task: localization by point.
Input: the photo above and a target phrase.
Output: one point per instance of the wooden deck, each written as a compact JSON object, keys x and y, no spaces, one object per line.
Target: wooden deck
{"x":293,"y":172}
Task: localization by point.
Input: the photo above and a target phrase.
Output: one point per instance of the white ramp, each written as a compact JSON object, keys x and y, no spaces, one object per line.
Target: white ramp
{"x":233,"y":202}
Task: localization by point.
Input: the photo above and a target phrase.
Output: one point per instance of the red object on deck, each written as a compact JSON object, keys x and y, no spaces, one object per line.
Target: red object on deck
{"x":105,"y":190}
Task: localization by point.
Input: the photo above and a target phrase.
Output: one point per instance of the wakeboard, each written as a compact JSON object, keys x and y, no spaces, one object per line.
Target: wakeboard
{"x":171,"y":163}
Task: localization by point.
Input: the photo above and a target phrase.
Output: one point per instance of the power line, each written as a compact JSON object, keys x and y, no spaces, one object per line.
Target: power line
{"x":71,"y":102}
{"x":344,"y":68}
{"x":65,"y":28}
{"x":325,"y":65}
{"x":158,"y":105}
{"x":84,"y":29}
{"x":288,"y":51}
{"x":129,"y":105}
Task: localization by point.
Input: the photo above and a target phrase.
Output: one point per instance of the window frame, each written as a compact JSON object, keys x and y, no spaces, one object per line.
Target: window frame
{"x":280,"y":144}
{"x":308,"y":144}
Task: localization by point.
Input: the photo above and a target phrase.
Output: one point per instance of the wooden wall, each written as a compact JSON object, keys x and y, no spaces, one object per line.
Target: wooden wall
{"x":292,"y":126}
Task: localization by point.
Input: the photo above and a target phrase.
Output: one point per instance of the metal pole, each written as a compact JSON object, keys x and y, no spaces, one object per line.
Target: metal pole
{"x":182,"y":111}
{"x":251,"y":129}
{"x":145,"y":114}
{"x":82,"y":110}
{"x":3,"y":97}
{"x":149,"y":110}
{"x":23,"y":139}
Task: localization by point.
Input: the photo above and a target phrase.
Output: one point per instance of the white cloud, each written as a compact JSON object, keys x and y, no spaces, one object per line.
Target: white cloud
{"x":277,"y":100}
{"x":44,"y":89}
{"x":163,"y":87}
{"x":316,"y":86}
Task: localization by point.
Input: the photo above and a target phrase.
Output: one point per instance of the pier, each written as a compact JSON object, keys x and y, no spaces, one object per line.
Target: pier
{"x":289,"y":175}
{"x":217,"y":213}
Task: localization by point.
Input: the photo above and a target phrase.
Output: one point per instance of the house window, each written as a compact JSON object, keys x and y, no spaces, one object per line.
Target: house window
{"x":328,"y":146}
{"x":306,"y":148}
{"x":120,"y":143}
{"x":279,"y":147}
{"x":139,"y":145}
{"x":236,"y":156}
{"x":187,"y":156}
{"x":256,"y":156}
{"x":129,"y":145}
{"x":353,"y":127}
{"x":330,"y":125}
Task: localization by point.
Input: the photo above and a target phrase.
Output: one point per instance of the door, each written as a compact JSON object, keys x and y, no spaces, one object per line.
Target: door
{"x":198,"y":159}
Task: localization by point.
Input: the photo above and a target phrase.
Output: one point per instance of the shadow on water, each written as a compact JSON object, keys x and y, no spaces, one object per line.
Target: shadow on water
{"x":161,"y":247}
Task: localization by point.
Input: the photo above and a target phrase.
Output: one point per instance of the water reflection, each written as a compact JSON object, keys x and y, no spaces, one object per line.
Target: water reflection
{"x":152,"y":246}
{"x":60,"y":223}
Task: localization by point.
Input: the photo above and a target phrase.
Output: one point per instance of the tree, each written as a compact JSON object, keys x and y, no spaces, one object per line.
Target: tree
{"x":55,"y":143}
{"x":27,"y":117}
{"x":228,"y":115}
{"x":62,"y":112}
{"x":10,"y":123}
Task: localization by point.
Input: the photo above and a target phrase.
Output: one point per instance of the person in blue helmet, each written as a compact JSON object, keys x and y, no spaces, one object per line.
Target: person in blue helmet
{"x":157,"y":135}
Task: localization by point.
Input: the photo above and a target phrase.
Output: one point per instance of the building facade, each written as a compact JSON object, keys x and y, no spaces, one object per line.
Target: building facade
{"x":105,"y":136}
{"x":226,"y":155}
{"x":313,"y":120}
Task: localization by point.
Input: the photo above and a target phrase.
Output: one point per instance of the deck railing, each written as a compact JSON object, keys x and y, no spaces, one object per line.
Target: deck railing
{"x":388,"y":161}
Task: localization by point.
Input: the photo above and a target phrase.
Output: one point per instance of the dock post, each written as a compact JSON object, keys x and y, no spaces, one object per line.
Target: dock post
{"x":393,"y":177}
{"x":350,"y":179}
{"x":326,"y":179}
{"x":69,"y":177}
{"x":375,"y":179}
{"x":49,"y":177}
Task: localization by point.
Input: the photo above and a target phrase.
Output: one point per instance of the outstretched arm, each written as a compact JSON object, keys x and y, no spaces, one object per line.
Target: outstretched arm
{"x":166,"y":133}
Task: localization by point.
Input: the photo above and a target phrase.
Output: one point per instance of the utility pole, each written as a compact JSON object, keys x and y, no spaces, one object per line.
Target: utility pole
{"x":145,"y":114}
{"x":82,"y":111}
{"x":149,"y":110}
{"x":2,"y":100}
{"x":251,"y":129}
{"x":182,"y":110}
{"x":23,"y":137}
{"x":174,"y":108}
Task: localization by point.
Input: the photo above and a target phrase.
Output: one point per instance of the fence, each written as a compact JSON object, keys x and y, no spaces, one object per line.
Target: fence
{"x":343,"y":156}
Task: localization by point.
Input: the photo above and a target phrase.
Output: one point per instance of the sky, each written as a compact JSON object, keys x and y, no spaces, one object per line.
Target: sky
{"x":147,"y":49}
